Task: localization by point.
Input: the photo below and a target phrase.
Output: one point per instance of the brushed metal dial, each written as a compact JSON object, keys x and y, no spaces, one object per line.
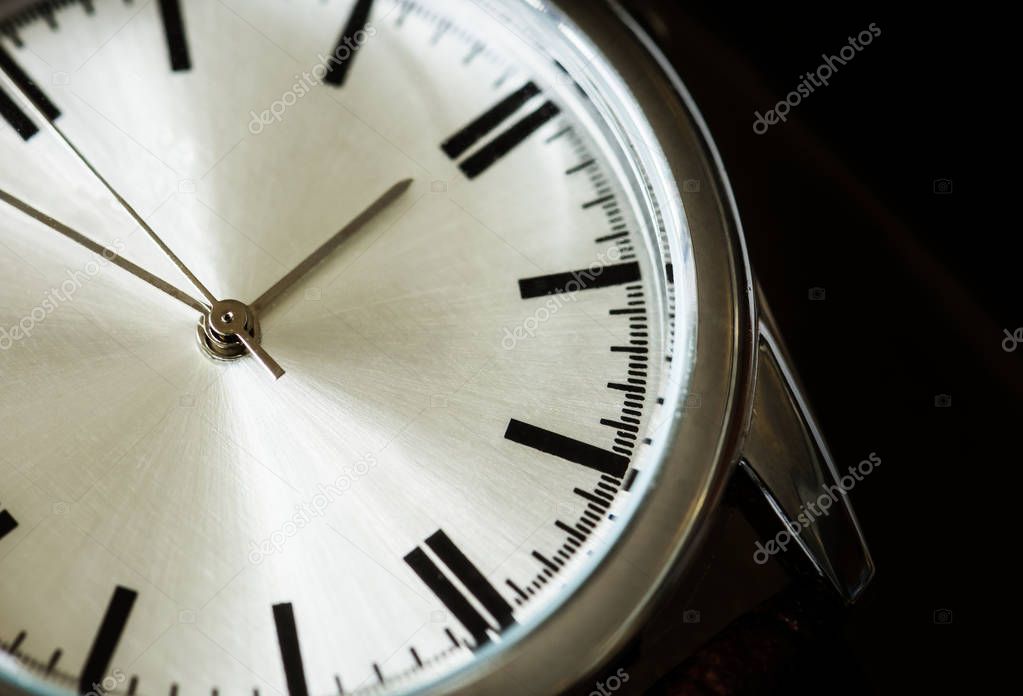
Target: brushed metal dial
{"x":469,"y":374}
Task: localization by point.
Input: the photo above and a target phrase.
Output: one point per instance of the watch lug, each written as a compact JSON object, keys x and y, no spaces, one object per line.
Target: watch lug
{"x":790,"y":462}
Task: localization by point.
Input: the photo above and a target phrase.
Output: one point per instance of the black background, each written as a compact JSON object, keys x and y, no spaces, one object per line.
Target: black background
{"x":919,"y":287}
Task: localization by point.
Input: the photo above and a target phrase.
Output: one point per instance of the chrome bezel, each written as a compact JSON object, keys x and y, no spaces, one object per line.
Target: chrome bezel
{"x":664,"y":533}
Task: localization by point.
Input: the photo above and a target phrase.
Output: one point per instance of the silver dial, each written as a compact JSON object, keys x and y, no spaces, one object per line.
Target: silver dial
{"x":471,"y":373}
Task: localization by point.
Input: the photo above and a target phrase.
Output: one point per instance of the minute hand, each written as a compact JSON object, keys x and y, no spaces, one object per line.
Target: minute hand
{"x":270,"y":296}
{"x":257,"y":352}
{"x":59,"y":133}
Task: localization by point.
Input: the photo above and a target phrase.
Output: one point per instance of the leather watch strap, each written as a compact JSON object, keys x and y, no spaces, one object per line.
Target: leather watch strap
{"x":762,"y":649}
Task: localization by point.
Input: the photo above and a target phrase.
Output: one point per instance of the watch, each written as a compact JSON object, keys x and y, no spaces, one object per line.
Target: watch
{"x":406,"y":346}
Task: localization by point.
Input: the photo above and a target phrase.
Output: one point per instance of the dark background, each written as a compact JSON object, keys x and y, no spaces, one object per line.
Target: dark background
{"x":918,"y":288}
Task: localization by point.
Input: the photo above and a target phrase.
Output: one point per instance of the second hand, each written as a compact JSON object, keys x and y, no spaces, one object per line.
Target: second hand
{"x":271,"y":365}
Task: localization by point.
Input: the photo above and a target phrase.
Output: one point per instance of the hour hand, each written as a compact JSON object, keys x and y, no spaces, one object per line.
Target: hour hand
{"x":106,"y":252}
{"x":273,"y":294}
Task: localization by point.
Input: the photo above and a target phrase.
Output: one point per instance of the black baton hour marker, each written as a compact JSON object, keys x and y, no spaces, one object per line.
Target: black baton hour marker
{"x":462,"y":141}
{"x":7,"y":523}
{"x":291,"y":656}
{"x":451,"y":597}
{"x":107,"y":638}
{"x":9,"y":108}
{"x":472,"y":578}
{"x":565,"y":447}
{"x":344,"y":52}
{"x":13,"y":114}
{"x":174,"y":29}
{"x":586,"y":279}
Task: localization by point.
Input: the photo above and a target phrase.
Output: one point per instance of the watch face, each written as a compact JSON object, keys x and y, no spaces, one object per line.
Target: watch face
{"x":477,"y":375}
